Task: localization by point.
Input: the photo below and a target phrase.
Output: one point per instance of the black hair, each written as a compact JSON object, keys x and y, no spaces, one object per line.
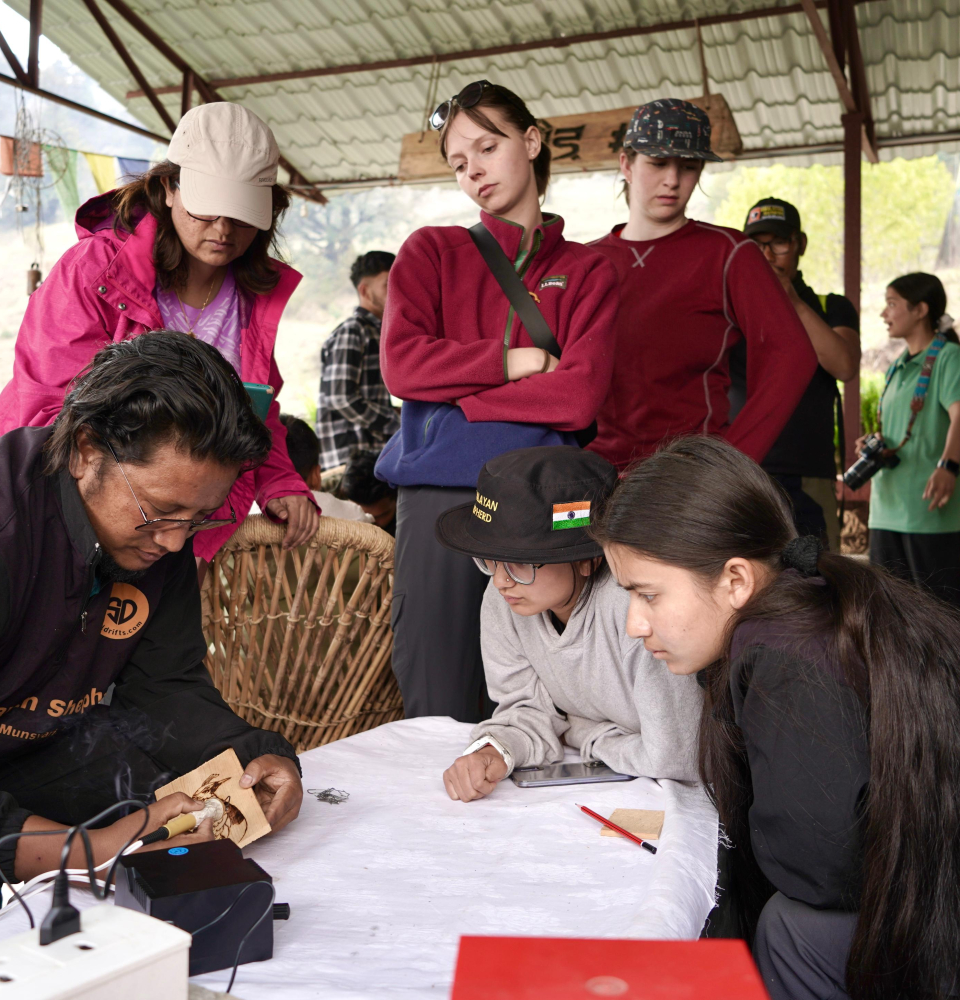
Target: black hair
{"x":920,"y":287}
{"x":158,"y":387}
{"x":698,"y":503}
{"x":303,"y":446}
{"x":513,"y":110}
{"x":370,"y":264}
{"x":359,"y":484}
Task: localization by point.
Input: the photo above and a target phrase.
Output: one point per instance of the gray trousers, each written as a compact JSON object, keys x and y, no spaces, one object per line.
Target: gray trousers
{"x":436,"y":612}
{"x":802,"y":952}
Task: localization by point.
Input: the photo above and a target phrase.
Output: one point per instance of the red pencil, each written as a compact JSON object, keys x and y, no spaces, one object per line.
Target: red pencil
{"x":619,"y":829}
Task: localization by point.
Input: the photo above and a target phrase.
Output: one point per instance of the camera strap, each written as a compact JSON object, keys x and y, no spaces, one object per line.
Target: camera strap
{"x":919,"y":393}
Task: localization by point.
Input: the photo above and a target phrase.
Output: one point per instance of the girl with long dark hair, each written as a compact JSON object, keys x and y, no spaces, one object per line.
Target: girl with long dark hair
{"x":474,"y":382}
{"x":830,"y":735}
{"x":185,"y":247}
{"x":914,"y":509}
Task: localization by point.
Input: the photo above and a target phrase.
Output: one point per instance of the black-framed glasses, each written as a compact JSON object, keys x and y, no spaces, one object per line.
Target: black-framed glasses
{"x":467,"y":98}
{"x":778,"y":247}
{"x":166,"y":523}
{"x":522,"y":573}
{"x":213,"y":218}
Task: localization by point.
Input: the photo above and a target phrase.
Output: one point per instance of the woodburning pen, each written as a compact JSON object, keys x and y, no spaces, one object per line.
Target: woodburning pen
{"x":185,"y":822}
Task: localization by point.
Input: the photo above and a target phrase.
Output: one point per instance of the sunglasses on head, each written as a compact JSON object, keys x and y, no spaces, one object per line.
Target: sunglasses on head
{"x":467,"y":98}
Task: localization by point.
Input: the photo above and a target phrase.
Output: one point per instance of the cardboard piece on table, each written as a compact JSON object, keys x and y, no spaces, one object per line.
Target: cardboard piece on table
{"x":243,"y":820}
{"x":643,"y":823}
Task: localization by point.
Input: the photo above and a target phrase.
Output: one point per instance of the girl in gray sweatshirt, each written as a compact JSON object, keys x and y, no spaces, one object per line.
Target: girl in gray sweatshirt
{"x":556,"y":655}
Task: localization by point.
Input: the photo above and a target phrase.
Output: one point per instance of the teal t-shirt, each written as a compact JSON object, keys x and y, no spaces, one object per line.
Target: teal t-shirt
{"x":896,"y":497}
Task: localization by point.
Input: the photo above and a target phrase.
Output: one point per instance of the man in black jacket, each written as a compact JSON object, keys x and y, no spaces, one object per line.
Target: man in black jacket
{"x":103,"y":691}
{"x":803,"y":458}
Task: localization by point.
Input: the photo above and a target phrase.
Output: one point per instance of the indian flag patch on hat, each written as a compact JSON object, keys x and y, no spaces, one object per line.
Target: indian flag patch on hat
{"x":571,"y":515}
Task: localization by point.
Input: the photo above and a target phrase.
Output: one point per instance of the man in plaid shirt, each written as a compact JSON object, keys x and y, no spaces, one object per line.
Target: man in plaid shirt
{"x":354,"y":408}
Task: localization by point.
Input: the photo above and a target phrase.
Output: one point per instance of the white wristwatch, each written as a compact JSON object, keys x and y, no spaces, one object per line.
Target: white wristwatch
{"x":491,"y":741}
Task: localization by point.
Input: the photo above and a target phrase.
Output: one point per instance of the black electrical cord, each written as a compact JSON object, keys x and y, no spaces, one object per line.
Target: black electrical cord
{"x":259,"y":921}
{"x":7,"y":882}
{"x":63,"y":919}
{"x":82,"y":829}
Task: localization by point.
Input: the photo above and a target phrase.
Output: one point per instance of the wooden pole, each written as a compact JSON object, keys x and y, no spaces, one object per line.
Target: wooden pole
{"x":852,"y":206}
{"x":36,"y":29}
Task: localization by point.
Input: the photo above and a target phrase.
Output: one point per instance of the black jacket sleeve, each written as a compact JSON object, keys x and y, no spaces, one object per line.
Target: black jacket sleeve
{"x":166,"y":681}
{"x":12,"y":817}
{"x":806,"y":740}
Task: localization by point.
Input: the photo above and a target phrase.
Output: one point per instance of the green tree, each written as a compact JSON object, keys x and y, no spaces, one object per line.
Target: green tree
{"x":905,"y":207}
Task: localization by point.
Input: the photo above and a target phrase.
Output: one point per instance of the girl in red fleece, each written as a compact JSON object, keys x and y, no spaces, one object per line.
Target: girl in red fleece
{"x":474,"y":384}
{"x":689,"y":291}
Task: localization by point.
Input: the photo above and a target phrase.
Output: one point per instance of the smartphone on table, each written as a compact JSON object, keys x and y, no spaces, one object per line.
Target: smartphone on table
{"x":571,"y":773}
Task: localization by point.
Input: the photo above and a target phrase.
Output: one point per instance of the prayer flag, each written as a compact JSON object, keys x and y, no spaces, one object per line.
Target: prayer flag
{"x":104,"y":170}
{"x":130,"y":170}
{"x":571,"y":515}
{"x":62,"y":164}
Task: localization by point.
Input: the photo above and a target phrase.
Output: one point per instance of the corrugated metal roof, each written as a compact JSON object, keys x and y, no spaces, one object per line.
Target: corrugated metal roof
{"x":348,"y":127}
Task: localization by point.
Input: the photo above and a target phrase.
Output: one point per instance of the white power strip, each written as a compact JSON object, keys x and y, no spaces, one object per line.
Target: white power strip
{"x":118,"y":954}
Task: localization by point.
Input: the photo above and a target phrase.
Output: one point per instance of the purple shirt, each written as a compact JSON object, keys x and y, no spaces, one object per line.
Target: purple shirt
{"x":219,"y":323}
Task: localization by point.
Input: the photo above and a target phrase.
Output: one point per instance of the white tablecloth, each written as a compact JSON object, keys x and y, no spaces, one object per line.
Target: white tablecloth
{"x":382,"y":886}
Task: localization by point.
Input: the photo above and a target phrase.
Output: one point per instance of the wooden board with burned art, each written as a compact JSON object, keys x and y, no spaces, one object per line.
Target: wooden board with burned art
{"x":243,"y":821}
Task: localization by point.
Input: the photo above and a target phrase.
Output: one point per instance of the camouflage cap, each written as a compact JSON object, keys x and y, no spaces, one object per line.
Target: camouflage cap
{"x":670,"y":127}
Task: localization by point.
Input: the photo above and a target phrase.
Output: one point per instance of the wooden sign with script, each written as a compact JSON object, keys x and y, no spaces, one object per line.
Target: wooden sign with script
{"x":589,"y":141}
{"x":243,"y":821}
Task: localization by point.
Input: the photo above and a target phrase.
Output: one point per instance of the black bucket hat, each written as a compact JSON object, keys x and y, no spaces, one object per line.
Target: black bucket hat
{"x":532,"y":505}
{"x":670,"y":127}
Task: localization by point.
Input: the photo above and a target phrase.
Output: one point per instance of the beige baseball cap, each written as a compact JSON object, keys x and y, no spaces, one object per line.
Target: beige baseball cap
{"x":228,"y":163}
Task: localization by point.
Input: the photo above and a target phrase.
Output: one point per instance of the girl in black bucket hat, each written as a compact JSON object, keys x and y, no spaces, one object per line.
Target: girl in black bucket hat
{"x":555,"y":655}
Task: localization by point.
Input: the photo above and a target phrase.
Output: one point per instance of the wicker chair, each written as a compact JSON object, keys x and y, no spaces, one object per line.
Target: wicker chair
{"x":299,"y":642}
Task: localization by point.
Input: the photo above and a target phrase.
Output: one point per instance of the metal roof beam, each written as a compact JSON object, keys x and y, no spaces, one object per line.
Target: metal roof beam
{"x":497,"y":50}
{"x":843,"y":88}
{"x":121,"y":51}
{"x":82,"y":108}
{"x":305,"y":188}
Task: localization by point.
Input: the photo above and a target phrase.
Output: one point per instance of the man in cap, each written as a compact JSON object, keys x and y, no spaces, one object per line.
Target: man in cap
{"x":803,"y":458}
{"x":689,"y":291}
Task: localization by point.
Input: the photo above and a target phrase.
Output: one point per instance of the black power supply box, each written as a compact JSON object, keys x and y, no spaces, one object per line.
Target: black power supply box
{"x":191,"y":887}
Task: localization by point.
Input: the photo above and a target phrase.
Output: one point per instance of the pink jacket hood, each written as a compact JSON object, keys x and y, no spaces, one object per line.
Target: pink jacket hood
{"x":101,"y":291}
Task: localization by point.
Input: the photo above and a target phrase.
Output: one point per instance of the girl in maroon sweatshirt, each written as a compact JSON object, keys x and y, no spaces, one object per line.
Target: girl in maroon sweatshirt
{"x":474,"y":384}
{"x":689,"y":291}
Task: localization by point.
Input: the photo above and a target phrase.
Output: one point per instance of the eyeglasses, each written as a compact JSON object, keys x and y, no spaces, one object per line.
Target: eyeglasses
{"x":166,"y":523}
{"x":467,"y":98}
{"x":522,"y":573}
{"x":213,"y":218}
{"x":777,"y":247}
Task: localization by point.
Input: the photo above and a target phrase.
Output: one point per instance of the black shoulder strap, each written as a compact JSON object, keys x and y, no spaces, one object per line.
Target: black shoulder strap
{"x":514,"y":289}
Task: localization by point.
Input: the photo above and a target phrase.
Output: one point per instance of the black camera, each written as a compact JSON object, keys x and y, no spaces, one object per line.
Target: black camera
{"x":873,"y":458}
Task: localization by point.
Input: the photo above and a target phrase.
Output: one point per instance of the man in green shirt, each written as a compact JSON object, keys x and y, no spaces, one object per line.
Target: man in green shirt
{"x":914,"y":509}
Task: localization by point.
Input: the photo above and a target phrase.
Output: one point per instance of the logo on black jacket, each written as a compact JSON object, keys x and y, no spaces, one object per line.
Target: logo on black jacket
{"x":127,"y":610}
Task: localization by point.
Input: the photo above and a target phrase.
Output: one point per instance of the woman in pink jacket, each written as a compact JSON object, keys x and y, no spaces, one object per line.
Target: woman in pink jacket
{"x":185,"y":247}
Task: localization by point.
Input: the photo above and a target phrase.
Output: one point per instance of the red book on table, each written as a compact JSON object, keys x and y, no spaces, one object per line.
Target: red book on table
{"x":510,"y":968}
